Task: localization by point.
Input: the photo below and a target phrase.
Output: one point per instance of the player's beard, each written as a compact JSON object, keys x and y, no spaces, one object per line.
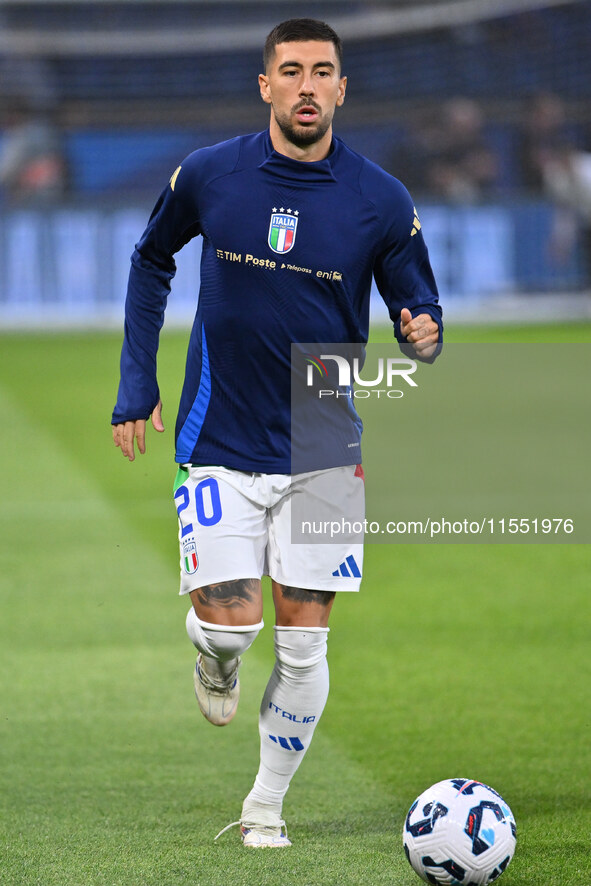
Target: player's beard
{"x":301,"y":135}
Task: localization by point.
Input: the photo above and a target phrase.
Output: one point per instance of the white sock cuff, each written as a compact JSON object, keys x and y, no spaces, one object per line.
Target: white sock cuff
{"x":299,"y":648}
{"x":222,"y":642}
{"x":237,"y":629}
{"x":297,"y":628}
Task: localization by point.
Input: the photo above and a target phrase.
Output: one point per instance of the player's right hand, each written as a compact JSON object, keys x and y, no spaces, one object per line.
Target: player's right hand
{"x":125,"y":434}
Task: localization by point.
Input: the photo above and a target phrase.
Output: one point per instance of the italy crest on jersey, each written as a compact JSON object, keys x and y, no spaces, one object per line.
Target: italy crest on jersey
{"x":282,"y":230}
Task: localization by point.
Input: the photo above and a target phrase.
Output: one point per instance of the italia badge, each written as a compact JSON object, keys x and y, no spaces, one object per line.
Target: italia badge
{"x":282,"y":230}
{"x":190,"y":560}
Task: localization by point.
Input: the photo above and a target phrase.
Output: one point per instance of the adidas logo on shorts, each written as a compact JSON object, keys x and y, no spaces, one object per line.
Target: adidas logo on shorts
{"x":348,"y":568}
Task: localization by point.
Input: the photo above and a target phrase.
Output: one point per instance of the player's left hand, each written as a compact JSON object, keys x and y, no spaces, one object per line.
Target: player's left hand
{"x":422,"y":332}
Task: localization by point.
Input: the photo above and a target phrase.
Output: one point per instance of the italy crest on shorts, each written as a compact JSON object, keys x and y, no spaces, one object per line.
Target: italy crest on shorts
{"x":190,"y":560}
{"x":282,"y":231}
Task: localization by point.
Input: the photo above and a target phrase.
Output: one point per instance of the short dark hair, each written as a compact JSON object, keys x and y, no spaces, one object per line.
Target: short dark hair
{"x":299,"y":30}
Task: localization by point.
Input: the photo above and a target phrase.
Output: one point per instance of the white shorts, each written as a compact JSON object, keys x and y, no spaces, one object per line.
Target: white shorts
{"x":234,"y":524}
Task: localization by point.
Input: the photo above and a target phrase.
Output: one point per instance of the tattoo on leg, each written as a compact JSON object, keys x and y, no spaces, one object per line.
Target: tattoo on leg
{"x":300,"y":595}
{"x":229,"y":594}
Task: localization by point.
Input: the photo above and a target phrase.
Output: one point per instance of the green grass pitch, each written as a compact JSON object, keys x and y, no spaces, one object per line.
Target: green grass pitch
{"x":455,"y":660}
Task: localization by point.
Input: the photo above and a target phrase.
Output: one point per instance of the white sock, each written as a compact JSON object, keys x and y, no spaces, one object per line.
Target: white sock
{"x":292,"y":705}
{"x":221,"y":645}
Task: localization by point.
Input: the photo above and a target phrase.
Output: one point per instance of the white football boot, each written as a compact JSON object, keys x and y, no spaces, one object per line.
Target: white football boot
{"x":217,"y":696}
{"x":260,"y":828}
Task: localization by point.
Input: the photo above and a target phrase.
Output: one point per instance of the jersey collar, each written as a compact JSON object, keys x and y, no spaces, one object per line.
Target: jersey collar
{"x":295,"y":171}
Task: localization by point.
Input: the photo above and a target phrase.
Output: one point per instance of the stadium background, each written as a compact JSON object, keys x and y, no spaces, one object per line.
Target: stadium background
{"x":482,"y":108}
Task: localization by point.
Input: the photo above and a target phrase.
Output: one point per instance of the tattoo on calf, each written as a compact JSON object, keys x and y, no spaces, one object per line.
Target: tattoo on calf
{"x":229,"y":594}
{"x":301,"y":595}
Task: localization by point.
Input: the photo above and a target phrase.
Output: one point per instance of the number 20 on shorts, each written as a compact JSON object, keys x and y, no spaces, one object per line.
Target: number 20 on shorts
{"x":208,"y":505}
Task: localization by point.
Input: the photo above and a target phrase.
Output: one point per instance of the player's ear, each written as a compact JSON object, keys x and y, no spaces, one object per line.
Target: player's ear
{"x":264,"y":88}
{"x":342,"y":90}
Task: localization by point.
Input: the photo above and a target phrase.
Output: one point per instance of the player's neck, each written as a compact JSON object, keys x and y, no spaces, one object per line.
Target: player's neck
{"x":306,"y":153}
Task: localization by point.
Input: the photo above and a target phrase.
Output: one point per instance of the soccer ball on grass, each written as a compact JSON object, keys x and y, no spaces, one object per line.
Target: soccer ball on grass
{"x":459,"y":831}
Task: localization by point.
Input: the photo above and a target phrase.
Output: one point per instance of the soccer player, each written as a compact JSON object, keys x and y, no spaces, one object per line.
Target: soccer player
{"x":294,"y":224}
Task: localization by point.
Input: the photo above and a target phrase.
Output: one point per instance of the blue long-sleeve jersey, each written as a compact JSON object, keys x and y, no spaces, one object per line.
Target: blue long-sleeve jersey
{"x":289,"y":249}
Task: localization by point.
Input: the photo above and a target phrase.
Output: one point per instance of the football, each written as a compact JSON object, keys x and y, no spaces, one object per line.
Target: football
{"x":459,"y":831}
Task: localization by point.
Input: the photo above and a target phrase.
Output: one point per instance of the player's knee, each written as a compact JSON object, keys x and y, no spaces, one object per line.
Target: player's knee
{"x":223,"y":642}
{"x":301,"y":648}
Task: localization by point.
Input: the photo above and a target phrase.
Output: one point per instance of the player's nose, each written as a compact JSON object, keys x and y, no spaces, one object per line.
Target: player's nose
{"x":307,"y":86}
